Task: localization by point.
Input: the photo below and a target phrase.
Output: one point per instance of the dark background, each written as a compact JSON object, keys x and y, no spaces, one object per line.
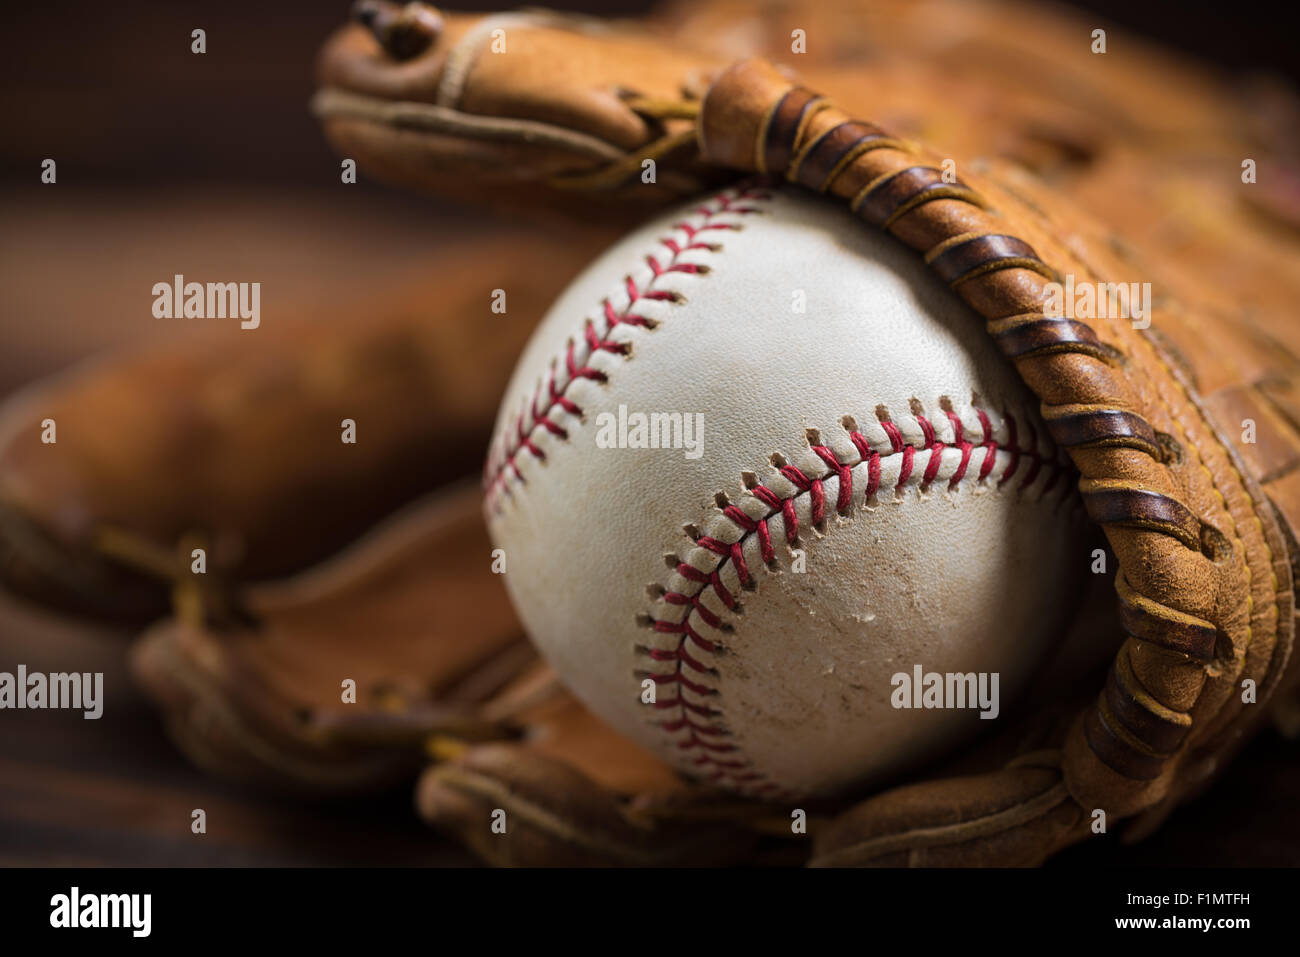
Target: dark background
{"x":167,"y":159}
{"x":100,"y":85}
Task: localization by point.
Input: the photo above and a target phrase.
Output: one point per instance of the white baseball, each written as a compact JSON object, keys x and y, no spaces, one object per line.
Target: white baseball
{"x":874,"y":491}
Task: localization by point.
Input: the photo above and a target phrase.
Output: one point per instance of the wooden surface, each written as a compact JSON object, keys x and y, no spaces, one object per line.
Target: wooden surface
{"x":114,"y":791}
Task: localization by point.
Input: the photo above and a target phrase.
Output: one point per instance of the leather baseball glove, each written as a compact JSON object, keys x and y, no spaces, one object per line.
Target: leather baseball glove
{"x":1186,"y":434}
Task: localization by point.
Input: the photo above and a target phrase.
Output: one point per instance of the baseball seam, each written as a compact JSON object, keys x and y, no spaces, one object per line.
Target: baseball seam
{"x":716,"y":759}
{"x":501,"y":468}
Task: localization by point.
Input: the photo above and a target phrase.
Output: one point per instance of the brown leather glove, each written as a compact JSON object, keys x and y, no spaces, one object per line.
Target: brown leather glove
{"x":567,"y":116}
{"x":335,"y":678}
{"x":1202,"y":522}
{"x":234,"y":443}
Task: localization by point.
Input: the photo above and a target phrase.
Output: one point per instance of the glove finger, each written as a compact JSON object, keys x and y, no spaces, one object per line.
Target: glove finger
{"x":1017,"y":816}
{"x":270,"y":747}
{"x":574,"y":98}
{"x":348,"y":668}
{"x":515,"y":806}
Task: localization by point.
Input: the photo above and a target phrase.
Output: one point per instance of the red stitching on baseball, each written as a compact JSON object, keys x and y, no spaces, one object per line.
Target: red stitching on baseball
{"x":740,"y":773}
{"x":502,"y":464}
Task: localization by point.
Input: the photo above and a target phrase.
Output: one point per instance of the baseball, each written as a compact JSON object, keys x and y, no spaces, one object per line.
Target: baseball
{"x":772,"y":504}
